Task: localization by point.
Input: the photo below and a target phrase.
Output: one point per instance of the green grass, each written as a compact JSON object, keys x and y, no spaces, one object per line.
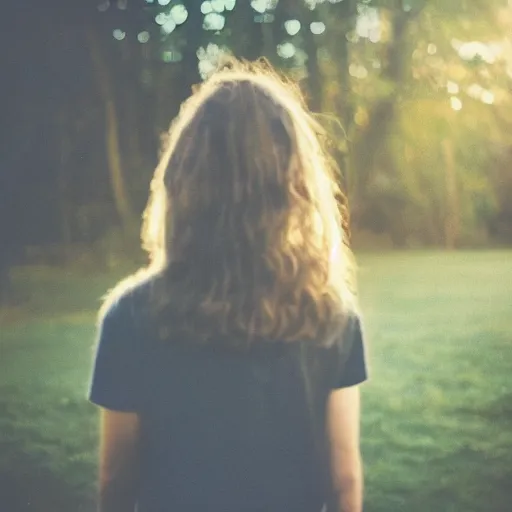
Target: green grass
{"x":437,"y":412}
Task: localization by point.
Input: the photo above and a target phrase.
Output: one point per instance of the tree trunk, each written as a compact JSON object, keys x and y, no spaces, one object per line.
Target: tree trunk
{"x":135,"y":167}
{"x":370,"y":141}
{"x":195,"y":37}
{"x":62,"y":181}
{"x":114,"y":164}
{"x":314,"y":79}
{"x":117,"y":181}
{"x":452,"y":214}
{"x":247,"y":35}
{"x":276,"y":28}
{"x":269,"y":45}
{"x":345,"y":15}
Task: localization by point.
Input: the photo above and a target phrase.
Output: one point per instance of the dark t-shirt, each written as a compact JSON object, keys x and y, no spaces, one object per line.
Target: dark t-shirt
{"x":222,"y":430}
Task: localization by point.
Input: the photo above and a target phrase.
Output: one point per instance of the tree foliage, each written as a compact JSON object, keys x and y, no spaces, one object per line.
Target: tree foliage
{"x":421,"y":89}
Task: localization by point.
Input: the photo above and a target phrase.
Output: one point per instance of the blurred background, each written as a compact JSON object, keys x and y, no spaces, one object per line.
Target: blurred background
{"x":421,"y":87}
{"x":416,"y":95}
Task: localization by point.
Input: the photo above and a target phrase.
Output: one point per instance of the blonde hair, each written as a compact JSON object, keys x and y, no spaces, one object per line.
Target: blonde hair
{"x":243,"y":225}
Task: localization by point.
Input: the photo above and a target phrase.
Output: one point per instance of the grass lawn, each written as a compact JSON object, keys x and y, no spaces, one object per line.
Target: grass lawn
{"x":437,"y":413}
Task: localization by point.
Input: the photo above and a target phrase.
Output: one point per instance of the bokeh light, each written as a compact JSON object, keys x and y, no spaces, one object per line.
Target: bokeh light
{"x":286,"y":50}
{"x":179,"y":14}
{"x":317,"y":27}
{"x":169,"y":26}
{"x":369,"y":25}
{"x":214,"y":21}
{"x":218,"y":5}
{"x":358,"y":71}
{"x":452,"y":87}
{"x":431,"y":49}
{"x":477,"y":50}
{"x":455,"y":103}
{"x":161,"y":18}
{"x":206,"y":7}
{"x":262,"y":6}
{"x":103,"y":6}
{"x":143,"y":37}
{"x":292,"y":27}
{"x":209,"y":57}
{"x":488,"y":97}
{"x":172,"y":56}
{"x":119,"y":34}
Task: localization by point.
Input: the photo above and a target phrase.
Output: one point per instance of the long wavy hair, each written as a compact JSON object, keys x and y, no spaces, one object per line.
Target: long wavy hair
{"x":244,"y":227}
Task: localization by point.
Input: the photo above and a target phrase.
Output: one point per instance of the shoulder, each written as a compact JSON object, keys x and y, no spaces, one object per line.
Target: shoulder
{"x":351,"y":334}
{"x":351,"y":354}
{"x":121,"y":348}
{"x":349,"y":326}
{"x":127,"y":299}
{"x":354,"y":326}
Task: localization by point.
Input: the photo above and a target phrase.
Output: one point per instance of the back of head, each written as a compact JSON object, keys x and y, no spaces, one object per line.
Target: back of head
{"x":243,"y":224}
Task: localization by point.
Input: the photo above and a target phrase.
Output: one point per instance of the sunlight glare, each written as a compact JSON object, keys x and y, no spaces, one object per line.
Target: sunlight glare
{"x":455,"y":103}
{"x":475,"y":49}
{"x":431,"y":49}
{"x":452,"y":87}
{"x":475,"y":91}
{"x":358,"y":71}
{"x":487,"y":97}
{"x":369,"y":25}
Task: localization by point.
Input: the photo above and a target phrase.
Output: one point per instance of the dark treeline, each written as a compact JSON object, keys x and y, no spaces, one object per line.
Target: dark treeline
{"x":421,"y":88}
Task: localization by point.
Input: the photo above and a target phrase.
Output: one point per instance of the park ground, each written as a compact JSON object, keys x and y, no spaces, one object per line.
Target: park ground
{"x":437,"y":412}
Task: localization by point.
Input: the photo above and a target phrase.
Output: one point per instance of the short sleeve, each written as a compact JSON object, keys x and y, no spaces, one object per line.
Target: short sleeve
{"x":116,"y":368}
{"x":353,"y":368}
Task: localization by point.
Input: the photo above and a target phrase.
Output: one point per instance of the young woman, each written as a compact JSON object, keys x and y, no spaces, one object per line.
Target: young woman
{"x":227,"y":371}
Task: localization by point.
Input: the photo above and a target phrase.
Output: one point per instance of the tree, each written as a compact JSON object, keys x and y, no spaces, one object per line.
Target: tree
{"x":422,"y":141}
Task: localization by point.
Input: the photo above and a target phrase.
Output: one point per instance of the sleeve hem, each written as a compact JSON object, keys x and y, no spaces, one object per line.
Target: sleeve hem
{"x":111,"y":406}
{"x":357,"y":382}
